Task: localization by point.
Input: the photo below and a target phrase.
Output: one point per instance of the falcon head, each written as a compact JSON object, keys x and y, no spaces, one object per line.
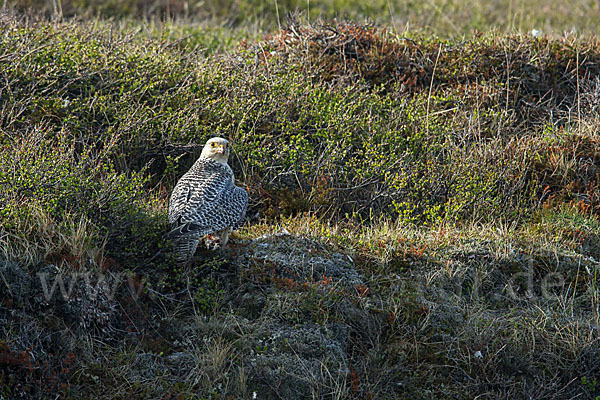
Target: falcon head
{"x":216,"y":149}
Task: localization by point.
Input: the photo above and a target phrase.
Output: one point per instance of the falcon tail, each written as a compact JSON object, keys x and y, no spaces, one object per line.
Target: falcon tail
{"x":185,"y":239}
{"x":184,"y":249}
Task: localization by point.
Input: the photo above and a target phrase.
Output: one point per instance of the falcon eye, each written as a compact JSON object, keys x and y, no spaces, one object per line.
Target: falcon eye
{"x":213,"y":144}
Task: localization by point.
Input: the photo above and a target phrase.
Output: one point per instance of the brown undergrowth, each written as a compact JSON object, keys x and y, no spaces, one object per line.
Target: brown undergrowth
{"x":424,"y":214}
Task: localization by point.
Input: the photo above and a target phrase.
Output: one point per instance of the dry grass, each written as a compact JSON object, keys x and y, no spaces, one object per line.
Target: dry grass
{"x":40,"y":239}
{"x":445,"y":18}
{"x":485,"y":304}
{"x":447,"y":190}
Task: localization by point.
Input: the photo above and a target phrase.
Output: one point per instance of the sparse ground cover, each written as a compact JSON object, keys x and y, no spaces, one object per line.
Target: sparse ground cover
{"x":445,"y":18}
{"x":424,"y":217}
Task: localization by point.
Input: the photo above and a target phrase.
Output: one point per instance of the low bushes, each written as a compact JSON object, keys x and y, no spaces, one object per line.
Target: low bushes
{"x":339,"y":118}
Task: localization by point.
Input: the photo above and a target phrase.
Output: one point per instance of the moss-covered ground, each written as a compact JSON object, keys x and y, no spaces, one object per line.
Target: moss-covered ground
{"x":424,"y":217}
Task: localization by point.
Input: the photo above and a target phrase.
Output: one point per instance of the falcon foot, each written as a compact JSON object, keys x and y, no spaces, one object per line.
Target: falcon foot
{"x":213,"y":242}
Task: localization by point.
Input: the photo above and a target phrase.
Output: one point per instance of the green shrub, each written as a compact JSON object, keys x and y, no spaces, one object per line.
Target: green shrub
{"x":47,"y":186}
{"x":336,"y":118}
{"x":448,"y":17}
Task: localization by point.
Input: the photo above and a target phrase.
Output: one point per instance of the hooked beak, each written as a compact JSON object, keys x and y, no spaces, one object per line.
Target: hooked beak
{"x":220,"y":150}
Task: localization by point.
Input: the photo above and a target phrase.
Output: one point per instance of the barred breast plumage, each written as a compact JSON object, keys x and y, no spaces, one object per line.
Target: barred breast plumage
{"x":206,"y":201}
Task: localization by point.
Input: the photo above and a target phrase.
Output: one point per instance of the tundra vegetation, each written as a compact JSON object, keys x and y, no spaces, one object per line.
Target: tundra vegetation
{"x":424,"y":183}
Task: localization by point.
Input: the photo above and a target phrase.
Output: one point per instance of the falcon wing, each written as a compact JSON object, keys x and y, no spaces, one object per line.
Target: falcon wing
{"x":195,"y":193}
{"x":240,"y":197}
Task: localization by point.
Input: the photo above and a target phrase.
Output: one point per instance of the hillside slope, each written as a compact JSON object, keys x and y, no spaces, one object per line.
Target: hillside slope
{"x":423,"y":219}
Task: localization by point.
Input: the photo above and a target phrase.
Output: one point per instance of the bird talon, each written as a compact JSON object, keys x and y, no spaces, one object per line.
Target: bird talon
{"x":212,"y":242}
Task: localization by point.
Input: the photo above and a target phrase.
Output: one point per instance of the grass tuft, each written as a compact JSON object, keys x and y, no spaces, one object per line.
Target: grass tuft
{"x":424,"y":211}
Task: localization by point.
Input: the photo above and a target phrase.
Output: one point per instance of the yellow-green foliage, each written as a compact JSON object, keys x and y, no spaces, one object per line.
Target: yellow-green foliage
{"x":441,"y":17}
{"x":48,"y":185}
{"x":342,"y":134}
{"x":338,"y":118}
